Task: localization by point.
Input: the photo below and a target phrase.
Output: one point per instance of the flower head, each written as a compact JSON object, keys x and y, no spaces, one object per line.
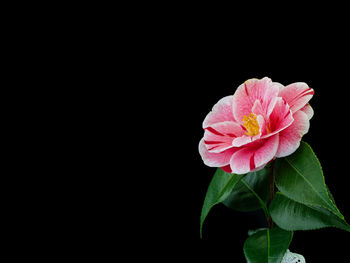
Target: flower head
{"x":261,"y":121}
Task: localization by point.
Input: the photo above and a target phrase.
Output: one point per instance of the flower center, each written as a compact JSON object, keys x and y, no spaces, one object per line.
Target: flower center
{"x":251,"y":124}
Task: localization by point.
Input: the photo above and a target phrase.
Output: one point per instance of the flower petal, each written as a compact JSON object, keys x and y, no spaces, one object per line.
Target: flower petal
{"x":296,"y":95}
{"x":215,"y":159}
{"x":308,"y":110}
{"x":255,"y":155}
{"x":280,"y":118}
{"x":253,"y":89}
{"x":278,"y":85}
{"x":219,"y":136}
{"x":222,"y":111}
{"x":290,"y":137}
{"x":257,"y":108}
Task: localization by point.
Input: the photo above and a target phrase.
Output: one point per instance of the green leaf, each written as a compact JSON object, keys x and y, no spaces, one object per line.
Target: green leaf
{"x":219,"y":189}
{"x":299,"y":176}
{"x":243,"y":198}
{"x":267,"y":246}
{"x":291,"y":215}
{"x":253,"y":231}
{"x":330,"y":196}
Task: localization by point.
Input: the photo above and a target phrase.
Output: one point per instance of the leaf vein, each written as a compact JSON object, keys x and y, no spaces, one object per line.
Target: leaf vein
{"x":262,"y":203}
{"x":309,"y":183}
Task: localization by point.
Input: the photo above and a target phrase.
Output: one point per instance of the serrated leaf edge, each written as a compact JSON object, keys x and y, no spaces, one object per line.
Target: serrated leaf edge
{"x":279,"y":193}
{"x":324,"y":180}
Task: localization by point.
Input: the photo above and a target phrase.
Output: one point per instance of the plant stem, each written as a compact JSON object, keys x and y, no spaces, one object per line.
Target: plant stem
{"x":272,"y":191}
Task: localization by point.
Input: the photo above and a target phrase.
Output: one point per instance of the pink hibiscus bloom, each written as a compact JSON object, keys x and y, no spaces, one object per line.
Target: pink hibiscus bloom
{"x":261,"y":121}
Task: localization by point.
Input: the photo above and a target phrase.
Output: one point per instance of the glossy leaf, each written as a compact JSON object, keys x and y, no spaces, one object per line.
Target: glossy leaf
{"x":219,"y":189}
{"x":243,"y":198}
{"x":300,"y":177}
{"x":291,"y":215}
{"x":267,"y":246}
{"x":331,"y":196}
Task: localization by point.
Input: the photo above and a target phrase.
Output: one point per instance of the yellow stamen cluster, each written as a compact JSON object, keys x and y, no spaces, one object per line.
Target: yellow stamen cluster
{"x":251,"y":124}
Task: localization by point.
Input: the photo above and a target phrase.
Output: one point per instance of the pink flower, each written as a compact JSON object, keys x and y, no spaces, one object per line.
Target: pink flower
{"x":261,"y":121}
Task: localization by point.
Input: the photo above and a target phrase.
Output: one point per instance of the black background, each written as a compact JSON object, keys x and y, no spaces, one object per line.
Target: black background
{"x":179,"y":66}
{"x":208,"y":65}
